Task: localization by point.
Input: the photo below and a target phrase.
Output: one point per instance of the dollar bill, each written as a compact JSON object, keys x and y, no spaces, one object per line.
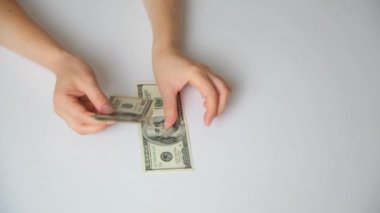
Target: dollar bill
{"x":163,"y":149}
{"x":128,"y":109}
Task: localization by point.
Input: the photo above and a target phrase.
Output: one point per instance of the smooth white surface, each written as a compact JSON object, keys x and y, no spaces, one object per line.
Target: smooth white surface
{"x":301,"y":132}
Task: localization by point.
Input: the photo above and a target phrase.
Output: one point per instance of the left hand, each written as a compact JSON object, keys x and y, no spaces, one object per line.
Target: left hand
{"x":173,"y":71}
{"x":78,"y":96}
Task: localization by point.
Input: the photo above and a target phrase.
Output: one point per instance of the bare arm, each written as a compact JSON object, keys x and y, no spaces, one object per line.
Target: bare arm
{"x":166,"y":21}
{"x":21,"y":35}
{"x":173,"y":70}
{"x":77,"y":94}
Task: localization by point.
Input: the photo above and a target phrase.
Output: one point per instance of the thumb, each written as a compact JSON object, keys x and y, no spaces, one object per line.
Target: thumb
{"x":170,"y":107}
{"x":98,"y":99}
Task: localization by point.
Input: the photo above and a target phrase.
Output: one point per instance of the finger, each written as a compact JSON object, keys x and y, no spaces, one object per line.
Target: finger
{"x":88,"y":118}
{"x":229,"y":87}
{"x":86,"y":129}
{"x":98,"y":99}
{"x":169,"y":98}
{"x":78,"y":113}
{"x":83,"y":128}
{"x":87,"y":104}
{"x":223,"y":91}
{"x":209,"y":93}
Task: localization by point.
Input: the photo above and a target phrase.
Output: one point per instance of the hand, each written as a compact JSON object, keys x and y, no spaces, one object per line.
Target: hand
{"x":173,"y":71}
{"x":77,"y":96}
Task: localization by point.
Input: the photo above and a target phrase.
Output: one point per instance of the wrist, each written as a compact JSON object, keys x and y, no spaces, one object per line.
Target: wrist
{"x":65,"y":61}
{"x":161,"y":47}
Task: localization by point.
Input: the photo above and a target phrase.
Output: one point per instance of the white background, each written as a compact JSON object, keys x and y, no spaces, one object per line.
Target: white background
{"x":300,"y":134}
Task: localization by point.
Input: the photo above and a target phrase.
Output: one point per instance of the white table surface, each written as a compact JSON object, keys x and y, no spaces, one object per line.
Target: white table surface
{"x":301,"y":132}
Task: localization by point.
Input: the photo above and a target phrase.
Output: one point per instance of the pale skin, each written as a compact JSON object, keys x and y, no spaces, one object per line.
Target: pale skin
{"x":77,"y":94}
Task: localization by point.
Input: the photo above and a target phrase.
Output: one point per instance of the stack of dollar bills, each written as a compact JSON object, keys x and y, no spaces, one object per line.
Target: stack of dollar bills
{"x":163,"y":149}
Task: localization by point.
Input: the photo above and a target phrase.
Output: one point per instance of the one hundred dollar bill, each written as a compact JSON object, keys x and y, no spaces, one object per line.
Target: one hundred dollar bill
{"x":163,"y":149}
{"x":128,"y":109}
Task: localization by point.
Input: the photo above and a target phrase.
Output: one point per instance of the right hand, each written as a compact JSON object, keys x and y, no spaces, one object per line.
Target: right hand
{"x":173,"y":70}
{"x":77,"y":96}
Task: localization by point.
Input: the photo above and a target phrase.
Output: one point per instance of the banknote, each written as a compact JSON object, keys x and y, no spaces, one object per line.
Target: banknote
{"x":163,"y":149}
{"x":128,"y":109}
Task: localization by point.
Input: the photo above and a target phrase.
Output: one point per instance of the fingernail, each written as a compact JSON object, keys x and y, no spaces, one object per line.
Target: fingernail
{"x":169,"y":121}
{"x":208,"y":122}
{"x":107,"y":108}
{"x":110,"y":122}
{"x":166,"y":124}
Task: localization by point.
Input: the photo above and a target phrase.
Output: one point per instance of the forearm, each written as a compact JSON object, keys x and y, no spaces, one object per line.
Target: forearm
{"x":20,"y":34}
{"x":173,"y":70}
{"x":166,"y":21}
